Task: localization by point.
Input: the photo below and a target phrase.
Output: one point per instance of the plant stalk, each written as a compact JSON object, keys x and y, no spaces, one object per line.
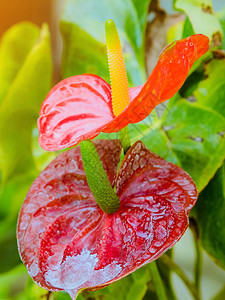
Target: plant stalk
{"x":198,"y":265}
{"x":173,"y":266}
{"x":125,"y":139}
{"x":156,"y":278}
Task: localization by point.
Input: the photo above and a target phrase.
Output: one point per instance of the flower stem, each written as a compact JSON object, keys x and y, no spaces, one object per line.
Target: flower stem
{"x":160,"y":291}
{"x":198,"y":265}
{"x":125,"y":139}
{"x":173,"y":266}
{"x":97,"y":179}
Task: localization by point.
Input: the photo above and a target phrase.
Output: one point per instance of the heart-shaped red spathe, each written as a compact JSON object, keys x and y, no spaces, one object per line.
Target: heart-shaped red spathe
{"x":68,"y":243}
{"x":80,"y":107}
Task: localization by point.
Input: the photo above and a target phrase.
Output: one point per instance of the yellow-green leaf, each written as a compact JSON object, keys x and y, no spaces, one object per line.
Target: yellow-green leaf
{"x":20,"y":107}
{"x":201,"y":16}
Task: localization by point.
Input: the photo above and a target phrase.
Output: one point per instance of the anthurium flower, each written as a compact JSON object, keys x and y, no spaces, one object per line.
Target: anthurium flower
{"x":68,"y":243}
{"x":80,"y":107}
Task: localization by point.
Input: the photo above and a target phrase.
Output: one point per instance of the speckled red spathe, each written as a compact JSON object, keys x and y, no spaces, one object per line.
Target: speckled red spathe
{"x":68,"y":243}
{"x":80,"y":107}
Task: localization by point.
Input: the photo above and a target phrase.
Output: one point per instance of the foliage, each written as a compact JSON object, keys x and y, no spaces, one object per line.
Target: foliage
{"x":25,"y":60}
{"x":210,"y":214}
{"x":190,"y":132}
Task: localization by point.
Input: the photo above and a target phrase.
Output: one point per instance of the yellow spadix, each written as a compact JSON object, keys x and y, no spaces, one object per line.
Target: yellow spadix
{"x":117,"y":70}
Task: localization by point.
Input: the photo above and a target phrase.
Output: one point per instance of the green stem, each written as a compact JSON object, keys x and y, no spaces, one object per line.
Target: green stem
{"x":156,"y":278}
{"x":173,"y":266}
{"x":125,"y":139}
{"x":198,"y":265}
{"x":97,"y":179}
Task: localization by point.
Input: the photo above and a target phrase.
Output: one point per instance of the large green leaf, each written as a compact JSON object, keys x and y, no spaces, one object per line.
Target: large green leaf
{"x":210,"y":212}
{"x":20,"y":107}
{"x":189,"y":135}
{"x":201,"y":16}
{"x":14,"y":48}
{"x":82,"y":26}
{"x":194,"y":132}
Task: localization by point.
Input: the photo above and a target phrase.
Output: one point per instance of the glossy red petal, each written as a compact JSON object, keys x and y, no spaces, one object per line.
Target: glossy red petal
{"x":77,"y":108}
{"x":68,"y":243}
{"x":166,"y":79}
{"x":156,"y":197}
{"x":60,"y":201}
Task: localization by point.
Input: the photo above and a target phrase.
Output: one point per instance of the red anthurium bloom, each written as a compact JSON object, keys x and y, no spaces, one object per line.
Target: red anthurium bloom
{"x":80,"y":107}
{"x":68,"y":243}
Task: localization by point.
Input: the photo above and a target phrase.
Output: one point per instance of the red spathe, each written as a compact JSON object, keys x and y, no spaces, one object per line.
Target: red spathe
{"x":68,"y":243}
{"x":80,"y":107}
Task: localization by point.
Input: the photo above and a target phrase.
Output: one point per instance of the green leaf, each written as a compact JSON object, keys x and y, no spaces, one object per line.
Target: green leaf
{"x":211,"y":91}
{"x":64,"y":296}
{"x":82,"y":26}
{"x":8,"y":251}
{"x":189,"y":135}
{"x":191,"y":84}
{"x":188,"y":29}
{"x":195,"y":134}
{"x":15,"y":46}
{"x":13,"y":194}
{"x":142,"y":278}
{"x":9,"y":280}
{"x":21,"y":105}
{"x":201,"y":16}
{"x":34,"y":292}
{"x":155,"y":138}
{"x":175,"y":32}
{"x":210,"y":213}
